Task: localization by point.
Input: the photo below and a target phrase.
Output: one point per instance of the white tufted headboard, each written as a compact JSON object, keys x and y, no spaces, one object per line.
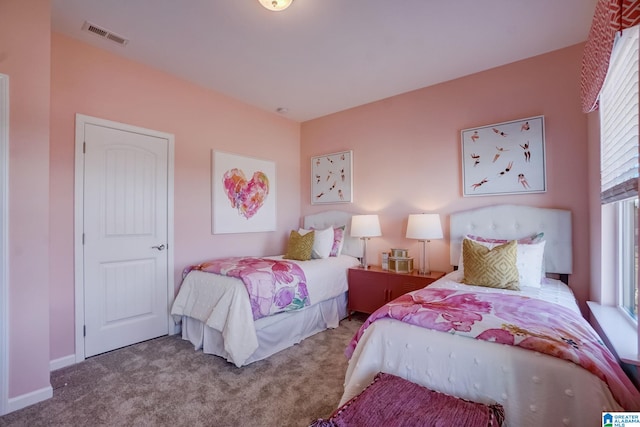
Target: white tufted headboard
{"x":352,"y":245}
{"x":514,"y":222}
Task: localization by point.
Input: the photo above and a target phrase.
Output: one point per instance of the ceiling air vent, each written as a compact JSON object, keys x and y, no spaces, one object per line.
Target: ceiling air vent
{"x":105,"y":34}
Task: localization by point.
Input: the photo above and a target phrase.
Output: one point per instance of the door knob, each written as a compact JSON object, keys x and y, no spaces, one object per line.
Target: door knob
{"x":160,"y":248}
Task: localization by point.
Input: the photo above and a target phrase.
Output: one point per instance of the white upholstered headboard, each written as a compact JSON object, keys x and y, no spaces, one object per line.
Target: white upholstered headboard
{"x":514,"y":222}
{"x":352,"y":245}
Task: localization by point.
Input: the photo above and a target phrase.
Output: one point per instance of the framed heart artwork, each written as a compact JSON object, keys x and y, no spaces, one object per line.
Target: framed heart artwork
{"x":244,"y":194}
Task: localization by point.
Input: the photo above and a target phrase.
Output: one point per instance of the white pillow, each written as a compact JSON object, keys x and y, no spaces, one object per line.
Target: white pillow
{"x":529,"y":262}
{"x":322,"y":242}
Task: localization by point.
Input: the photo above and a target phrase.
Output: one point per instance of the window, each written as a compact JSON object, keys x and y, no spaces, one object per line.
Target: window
{"x":619,"y":163}
{"x":628,"y":257}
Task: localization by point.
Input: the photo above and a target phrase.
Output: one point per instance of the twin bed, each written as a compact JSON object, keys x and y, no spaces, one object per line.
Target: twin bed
{"x":216,"y":314}
{"x":534,"y":387}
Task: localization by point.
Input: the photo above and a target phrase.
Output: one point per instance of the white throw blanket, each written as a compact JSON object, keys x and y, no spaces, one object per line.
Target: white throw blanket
{"x":224,"y":307}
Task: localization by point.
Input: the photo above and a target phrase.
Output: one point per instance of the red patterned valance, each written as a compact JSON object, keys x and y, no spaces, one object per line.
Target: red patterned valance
{"x":610,"y":16}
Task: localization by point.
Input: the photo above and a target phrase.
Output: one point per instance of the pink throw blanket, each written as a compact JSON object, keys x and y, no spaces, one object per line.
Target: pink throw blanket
{"x":391,"y":401}
{"x":273,"y":285}
{"x":515,"y":320}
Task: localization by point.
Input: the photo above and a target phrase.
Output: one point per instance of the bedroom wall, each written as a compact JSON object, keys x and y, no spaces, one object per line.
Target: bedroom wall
{"x":407,"y":153}
{"x":25,"y":57}
{"x":94,"y":82}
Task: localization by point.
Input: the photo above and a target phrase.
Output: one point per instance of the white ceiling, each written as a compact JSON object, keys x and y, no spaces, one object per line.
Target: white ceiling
{"x":323,"y":56}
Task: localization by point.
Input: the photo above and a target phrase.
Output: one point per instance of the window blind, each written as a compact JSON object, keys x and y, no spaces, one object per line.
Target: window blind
{"x":619,"y":121}
{"x":609,"y":17}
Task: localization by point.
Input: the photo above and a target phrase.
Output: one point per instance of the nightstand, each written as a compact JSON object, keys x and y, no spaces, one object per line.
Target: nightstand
{"x":370,"y":289}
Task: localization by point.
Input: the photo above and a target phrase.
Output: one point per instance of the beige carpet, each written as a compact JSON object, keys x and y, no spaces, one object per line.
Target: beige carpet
{"x":164,"y":382}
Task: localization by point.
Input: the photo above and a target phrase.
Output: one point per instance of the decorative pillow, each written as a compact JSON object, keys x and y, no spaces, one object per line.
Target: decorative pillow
{"x":528,"y":240}
{"x":322,"y":242}
{"x":299,"y":246}
{"x":530,"y":263}
{"x":491,"y":243}
{"x":338,"y":241}
{"x":493,"y":268}
{"x":530,"y":259}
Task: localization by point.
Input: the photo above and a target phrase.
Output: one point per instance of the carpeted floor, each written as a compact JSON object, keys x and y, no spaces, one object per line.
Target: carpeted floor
{"x":164,"y":382}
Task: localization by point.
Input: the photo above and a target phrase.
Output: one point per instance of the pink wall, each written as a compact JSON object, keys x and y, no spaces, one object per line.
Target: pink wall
{"x":407,"y":154}
{"x":25,"y":57}
{"x":94,"y":82}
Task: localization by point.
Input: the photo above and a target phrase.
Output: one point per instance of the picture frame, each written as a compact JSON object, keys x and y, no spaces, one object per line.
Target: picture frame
{"x":332,"y":178}
{"x":243,"y":194}
{"x":504,"y":158}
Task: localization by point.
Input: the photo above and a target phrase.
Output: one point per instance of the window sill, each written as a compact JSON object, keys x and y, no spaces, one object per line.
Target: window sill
{"x":618,"y":332}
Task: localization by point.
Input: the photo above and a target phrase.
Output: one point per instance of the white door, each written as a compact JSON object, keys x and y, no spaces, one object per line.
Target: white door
{"x":125,"y":237}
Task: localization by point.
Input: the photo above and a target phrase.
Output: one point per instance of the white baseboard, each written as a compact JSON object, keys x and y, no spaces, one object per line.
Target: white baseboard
{"x":19,"y":402}
{"x":62,"y":362}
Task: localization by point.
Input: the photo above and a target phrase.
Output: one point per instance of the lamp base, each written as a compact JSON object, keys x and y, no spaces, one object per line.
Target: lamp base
{"x":424,"y":268}
{"x":363,"y":261}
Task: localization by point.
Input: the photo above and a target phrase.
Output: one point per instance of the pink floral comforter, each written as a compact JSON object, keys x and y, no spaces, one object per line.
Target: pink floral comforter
{"x":515,"y":320}
{"x":273,"y":285}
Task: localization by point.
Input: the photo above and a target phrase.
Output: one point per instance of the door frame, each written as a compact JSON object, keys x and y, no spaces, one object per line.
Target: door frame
{"x":81,"y":121}
{"x":4,"y":244}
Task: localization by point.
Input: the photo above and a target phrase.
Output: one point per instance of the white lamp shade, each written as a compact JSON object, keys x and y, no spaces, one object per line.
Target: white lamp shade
{"x":276,"y":5}
{"x":424,"y":227}
{"x":365,"y":226}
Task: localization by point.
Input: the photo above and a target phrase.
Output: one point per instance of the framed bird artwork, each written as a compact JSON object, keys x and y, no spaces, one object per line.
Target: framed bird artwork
{"x":331,"y":178}
{"x":504,"y":158}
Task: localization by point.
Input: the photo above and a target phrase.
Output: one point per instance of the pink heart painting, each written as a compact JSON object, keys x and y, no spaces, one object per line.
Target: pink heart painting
{"x":246,"y":196}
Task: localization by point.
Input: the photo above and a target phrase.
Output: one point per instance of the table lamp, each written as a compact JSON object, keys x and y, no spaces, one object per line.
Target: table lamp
{"x":365,"y":227}
{"x":424,"y":227}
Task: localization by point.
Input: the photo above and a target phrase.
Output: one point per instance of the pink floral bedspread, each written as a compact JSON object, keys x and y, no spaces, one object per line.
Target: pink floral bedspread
{"x":273,"y":285}
{"x":514,"y":320}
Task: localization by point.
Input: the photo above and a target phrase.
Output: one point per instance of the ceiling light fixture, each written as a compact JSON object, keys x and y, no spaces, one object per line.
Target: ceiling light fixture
{"x":276,"y":5}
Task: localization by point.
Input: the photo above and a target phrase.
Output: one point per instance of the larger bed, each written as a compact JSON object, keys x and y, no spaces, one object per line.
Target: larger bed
{"x":535,"y":388}
{"x":216,"y":314}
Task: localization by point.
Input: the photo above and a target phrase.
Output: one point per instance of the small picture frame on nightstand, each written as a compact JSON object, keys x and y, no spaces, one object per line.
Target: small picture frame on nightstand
{"x":385,"y":260}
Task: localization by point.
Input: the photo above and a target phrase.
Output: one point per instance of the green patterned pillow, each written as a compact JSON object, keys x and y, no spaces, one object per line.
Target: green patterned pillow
{"x":299,"y":246}
{"x":492,"y":268}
